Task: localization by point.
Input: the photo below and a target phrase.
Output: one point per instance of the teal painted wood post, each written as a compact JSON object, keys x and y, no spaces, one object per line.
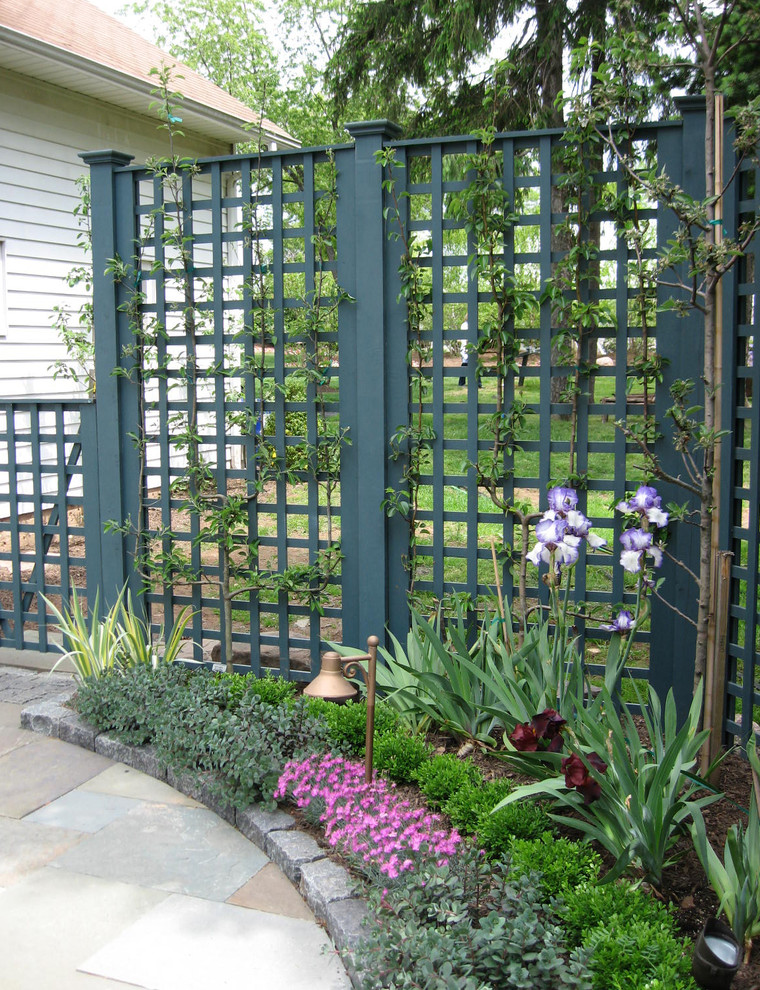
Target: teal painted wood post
{"x":364,"y":271}
{"x":91,"y":521}
{"x":116,"y":403}
{"x":680,"y":344}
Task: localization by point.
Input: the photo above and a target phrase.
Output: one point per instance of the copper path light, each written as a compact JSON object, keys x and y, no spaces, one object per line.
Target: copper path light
{"x":331,"y":684}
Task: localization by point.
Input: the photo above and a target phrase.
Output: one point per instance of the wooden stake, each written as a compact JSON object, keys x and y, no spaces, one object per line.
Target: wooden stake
{"x":497,"y":579}
{"x":715,"y":674}
{"x":712,"y":627}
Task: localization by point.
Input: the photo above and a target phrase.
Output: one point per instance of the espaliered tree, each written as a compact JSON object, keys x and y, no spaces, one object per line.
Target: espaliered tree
{"x":696,"y":259}
{"x":164,"y":554}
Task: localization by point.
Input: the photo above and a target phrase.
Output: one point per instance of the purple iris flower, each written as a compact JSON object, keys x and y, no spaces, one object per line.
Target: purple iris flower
{"x":622,"y":623}
{"x":636,"y":539}
{"x":562,"y":499}
{"x":554,"y":541}
{"x":560,"y":530}
{"x":637,"y":543}
{"x":551,"y":529}
{"x":644,"y":498}
{"x":580,"y":525}
{"x":646,"y":502}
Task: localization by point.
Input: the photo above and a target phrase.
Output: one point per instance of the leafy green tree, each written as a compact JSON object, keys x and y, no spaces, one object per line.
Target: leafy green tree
{"x":438,"y":60}
{"x":738,"y":55}
{"x":270,"y":58}
{"x":223,"y":40}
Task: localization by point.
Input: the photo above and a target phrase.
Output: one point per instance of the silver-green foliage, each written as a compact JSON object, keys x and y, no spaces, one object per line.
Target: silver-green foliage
{"x":203,"y":724}
{"x":466,"y":925}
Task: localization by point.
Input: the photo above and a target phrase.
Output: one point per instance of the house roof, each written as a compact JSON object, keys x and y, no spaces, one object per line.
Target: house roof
{"x":73,"y":44}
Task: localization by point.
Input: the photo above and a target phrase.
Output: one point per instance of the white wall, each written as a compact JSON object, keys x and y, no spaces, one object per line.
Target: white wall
{"x":42,"y":131}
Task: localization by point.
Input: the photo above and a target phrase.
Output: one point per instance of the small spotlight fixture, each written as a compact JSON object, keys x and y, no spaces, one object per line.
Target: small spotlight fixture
{"x":717,"y":956}
{"x":331,"y":684}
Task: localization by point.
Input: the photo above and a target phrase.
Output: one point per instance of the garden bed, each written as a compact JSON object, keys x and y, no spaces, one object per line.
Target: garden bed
{"x":685,"y":886}
{"x":222,"y":732}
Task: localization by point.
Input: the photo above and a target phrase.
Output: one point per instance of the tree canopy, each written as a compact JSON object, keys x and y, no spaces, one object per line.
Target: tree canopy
{"x":443,"y":66}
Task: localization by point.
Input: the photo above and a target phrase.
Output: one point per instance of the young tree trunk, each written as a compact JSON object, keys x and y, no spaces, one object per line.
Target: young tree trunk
{"x":705,"y":613}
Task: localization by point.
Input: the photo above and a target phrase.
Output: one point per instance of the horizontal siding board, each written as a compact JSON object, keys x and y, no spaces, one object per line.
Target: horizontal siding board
{"x":29,"y":246}
{"x":42,"y":215}
{"x":19,"y":265}
{"x":42,"y":131}
{"x":14,"y":175}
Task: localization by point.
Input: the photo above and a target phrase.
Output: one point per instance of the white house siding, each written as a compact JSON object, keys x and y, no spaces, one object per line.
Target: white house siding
{"x":42,"y":131}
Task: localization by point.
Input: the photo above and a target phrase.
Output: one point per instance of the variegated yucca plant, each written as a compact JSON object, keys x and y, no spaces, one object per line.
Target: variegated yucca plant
{"x":120,"y":639}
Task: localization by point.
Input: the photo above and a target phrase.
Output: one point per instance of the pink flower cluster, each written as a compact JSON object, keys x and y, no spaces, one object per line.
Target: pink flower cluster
{"x":366,"y":822}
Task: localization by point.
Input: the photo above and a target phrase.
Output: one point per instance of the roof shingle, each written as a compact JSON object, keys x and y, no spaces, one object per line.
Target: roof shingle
{"x":82,"y":29}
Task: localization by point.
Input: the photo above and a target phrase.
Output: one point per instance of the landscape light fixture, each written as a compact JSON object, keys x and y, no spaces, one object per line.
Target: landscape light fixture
{"x":717,"y":955}
{"x":331,"y":684}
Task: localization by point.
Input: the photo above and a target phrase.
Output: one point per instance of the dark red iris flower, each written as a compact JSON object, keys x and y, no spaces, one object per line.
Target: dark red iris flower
{"x":577,"y":775}
{"x":524,"y":738}
{"x":547,"y":726}
{"x":541,"y":733}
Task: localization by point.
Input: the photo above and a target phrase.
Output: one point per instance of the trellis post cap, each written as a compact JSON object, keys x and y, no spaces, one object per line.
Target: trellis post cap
{"x":367,"y":128}
{"x":106,"y":157}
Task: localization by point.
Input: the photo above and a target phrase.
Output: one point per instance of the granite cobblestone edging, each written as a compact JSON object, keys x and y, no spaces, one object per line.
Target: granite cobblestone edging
{"x":327,"y":888}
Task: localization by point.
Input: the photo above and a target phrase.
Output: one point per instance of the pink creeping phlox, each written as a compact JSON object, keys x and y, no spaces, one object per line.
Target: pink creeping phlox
{"x":367,"y":822}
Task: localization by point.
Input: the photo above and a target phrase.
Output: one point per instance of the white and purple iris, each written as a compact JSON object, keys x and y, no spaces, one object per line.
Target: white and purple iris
{"x":560,"y":531}
{"x":638,"y":543}
{"x":647,"y":503}
{"x":562,"y":500}
{"x":622,"y":623}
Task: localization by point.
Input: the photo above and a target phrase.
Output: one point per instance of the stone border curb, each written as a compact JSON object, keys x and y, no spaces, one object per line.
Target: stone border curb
{"x":326,"y":887}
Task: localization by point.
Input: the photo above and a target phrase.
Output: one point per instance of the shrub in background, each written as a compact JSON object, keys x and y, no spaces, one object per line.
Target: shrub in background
{"x":497,"y":831}
{"x":347,"y":724}
{"x":445,"y":774}
{"x":399,"y":757}
{"x":271,"y":689}
{"x":562,"y":863}
{"x":638,"y":955}
{"x":588,"y":905}
{"x":465,"y":807}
